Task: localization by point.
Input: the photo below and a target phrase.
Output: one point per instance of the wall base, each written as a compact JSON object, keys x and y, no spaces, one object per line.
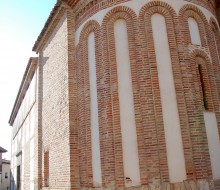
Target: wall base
{"x":185,"y":185}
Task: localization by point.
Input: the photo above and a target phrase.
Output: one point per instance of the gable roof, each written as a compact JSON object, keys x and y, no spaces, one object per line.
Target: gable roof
{"x":2,"y":150}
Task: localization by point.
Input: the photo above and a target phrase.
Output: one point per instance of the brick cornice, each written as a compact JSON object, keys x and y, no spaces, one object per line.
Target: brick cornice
{"x":81,"y":7}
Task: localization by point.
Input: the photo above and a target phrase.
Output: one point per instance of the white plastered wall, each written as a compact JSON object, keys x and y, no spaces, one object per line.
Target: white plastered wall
{"x":174,"y":145}
{"x":194,"y":31}
{"x":96,"y":159}
{"x":213,"y":142}
{"x":126,"y":103}
{"x":136,"y":6}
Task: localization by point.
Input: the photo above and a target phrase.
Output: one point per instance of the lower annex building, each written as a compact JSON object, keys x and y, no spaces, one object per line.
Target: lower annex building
{"x":124,"y":94}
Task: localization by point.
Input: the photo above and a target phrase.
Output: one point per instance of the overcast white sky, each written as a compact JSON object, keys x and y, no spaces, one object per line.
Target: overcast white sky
{"x":20,"y":24}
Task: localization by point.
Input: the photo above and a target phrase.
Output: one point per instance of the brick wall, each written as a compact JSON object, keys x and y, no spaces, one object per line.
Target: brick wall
{"x":151,"y":140}
{"x":55,"y":107}
{"x":64,"y":131}
{"x":218,"y":13}
{"x":208,"y":4}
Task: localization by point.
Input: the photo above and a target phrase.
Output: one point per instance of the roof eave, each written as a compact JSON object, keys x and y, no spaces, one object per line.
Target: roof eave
{"x":32,"y":63}
{"x":71,"y":3}
{"x":52,"y":21}
{"x":2,"y":150}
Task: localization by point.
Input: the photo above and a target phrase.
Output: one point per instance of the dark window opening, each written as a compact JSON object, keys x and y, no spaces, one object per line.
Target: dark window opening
{"x":18,"y":177}
{"x":202,"y":87}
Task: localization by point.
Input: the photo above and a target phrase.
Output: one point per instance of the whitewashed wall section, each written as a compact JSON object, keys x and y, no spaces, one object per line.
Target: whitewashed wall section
{"x":96,"y":160}
{"x":126,"y":102}
{"x":174,"y":145}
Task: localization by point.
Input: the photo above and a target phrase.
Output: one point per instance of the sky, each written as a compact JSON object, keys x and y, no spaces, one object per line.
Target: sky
{"x":21,"y":21}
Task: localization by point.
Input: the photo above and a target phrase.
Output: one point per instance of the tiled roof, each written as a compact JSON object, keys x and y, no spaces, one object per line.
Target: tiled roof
{"x":2,"y":150}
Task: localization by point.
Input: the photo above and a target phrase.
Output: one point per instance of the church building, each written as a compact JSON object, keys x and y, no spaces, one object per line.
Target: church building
{"x":124,"y":94}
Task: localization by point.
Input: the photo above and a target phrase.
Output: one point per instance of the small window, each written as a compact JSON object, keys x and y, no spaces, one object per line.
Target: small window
{"x":6,"y":175}
{"x":202,"y":87}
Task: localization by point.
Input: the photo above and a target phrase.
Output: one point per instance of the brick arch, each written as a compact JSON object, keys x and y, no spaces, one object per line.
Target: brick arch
{"x":214,"y":44}
{"x":202,"y":54}
{"x":207,"y":4}
{"x":83,"y":92}
{"x":213,"y":66}
{"x":110,"y":66}
{"x":120,"y":12}
{"x":205,"y":62}
{"x":157,"y":7}
{"x":157,"y":131}
{"x":187,"y":11}
{"x":90,"y":26}
{"x":82,"y":14}
{"x":193,"y":8}
{"x":214,"y":24}
{"x":214,"y":37}
{"x":193,"y":107}
{"x":199,"y":53}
